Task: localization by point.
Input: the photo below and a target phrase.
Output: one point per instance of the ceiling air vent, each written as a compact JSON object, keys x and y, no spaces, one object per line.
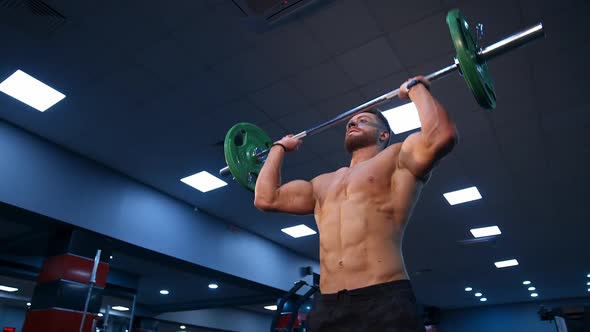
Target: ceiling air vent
{"x":31,"y":16}
{"x":266,"y":13}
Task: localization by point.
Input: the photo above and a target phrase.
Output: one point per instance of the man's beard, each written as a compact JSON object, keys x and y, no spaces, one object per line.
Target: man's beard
{"x":355,"y":142}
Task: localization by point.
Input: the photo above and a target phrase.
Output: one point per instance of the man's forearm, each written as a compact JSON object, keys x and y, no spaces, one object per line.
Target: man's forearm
{"x":435,"y":121}
{"x":269,"y":179}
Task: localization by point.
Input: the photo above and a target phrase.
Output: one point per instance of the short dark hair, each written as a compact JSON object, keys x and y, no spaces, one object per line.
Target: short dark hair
{"x":383,"y":121}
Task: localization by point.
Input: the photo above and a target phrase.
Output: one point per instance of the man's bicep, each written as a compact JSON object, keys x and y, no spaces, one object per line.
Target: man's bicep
{"x":296,"y":197}
{"x":415,"y":156}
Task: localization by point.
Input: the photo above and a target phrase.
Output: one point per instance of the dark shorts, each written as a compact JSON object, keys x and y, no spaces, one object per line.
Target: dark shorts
{"x":387,"y":307}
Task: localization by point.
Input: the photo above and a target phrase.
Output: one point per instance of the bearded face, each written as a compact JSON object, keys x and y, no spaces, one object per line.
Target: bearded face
{"x":361,"y":131}
{"x":359,"y":139}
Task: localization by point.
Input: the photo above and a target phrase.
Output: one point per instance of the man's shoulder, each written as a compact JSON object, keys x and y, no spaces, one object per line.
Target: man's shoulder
{"x":327,"y":176}
{"x":324,"y":179}
{"x":392,"y":150}
{"x":396,"y":147}
{"x":322,"y":182}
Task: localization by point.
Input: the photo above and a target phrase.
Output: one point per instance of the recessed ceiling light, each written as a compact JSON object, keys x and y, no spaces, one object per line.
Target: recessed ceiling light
{"x":298,"y":231}
{"x":478,"y":294}
{"x":100,"y":314}
{"x":468,"y":289}
{"x":8,"y":289}
{"x":462,"y":196}
{"x":30,"y":91}
{"x":510,"y":262}
{"x":588,"y":283}
{"x":271,"y":307}
{"x":526,"y":282}
{"x":534,"y":294}
{"x":403,"y":118}
{"x":213,"y":286}
{"x":532,"y":288}
{"x":182,"y":327}
{"x":204,"y":181}
{"x":120,"y":308}
{"x":483,"y":299}
{"x":485,"y":231}
{"x":28,"y":304}
{"x":164,"y":292}
{"x":588,"y":275}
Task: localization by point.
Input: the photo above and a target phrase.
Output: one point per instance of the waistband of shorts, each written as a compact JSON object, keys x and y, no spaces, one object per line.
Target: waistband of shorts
{"x":364,"y":293}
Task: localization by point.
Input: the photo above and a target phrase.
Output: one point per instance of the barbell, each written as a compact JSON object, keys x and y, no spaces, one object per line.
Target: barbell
{"x":246,"y":145}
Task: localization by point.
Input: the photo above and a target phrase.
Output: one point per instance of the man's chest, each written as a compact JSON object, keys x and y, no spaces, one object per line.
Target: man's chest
{"x":367,"y":180}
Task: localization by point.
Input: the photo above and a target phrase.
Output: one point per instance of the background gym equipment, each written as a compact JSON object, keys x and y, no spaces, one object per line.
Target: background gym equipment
{"x":246,"y":145}
{"x":290,"y":320}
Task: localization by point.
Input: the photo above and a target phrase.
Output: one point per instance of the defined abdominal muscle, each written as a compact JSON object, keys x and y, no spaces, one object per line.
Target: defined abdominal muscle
{"x":359,"y":247}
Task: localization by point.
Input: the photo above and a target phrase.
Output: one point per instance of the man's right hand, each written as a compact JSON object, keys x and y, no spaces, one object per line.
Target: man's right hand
{"x":290,"y":143}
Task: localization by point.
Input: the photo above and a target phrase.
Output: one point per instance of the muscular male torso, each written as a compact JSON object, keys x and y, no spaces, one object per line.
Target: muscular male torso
{"x":361,"y":213}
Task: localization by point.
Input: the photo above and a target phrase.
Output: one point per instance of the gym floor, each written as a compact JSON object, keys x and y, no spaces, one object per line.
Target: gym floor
{"x":152,"y":87}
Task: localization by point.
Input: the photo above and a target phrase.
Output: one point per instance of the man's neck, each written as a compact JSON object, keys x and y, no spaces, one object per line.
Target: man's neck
{"x":362,"y":154}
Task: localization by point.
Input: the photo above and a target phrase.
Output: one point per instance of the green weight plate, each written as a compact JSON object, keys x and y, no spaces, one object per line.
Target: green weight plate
{"x":242,"y":142}
{"x":476,"y":74}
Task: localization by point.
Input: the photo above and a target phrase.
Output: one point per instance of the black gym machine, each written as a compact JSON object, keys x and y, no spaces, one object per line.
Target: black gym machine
{"x":289,"y":320}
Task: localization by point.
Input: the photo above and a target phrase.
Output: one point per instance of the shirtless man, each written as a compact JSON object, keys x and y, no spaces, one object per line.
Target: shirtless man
{"x":361,"y":212}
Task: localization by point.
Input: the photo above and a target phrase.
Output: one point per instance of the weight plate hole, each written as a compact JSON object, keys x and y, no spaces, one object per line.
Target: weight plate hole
{"x":466,"y":36}
{"x":239,"y":139}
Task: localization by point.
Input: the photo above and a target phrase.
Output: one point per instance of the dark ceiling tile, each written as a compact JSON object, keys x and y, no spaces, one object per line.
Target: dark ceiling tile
{"x":323,"y":81}
{"x":122,"y":33}
{"x":547,"y":11}
{"x":176,"y":15}
{"x":550,"y":67}
{"x":305,"y":171}
{"x":222,"y":118}
{"x":342,"y":25}
{"x":208,"y":89}
{"x":392,"y":15}
{"x":279,"y":99}
{"x":339,"y":104}
{"x":327,"y":142}
{"x":368,"y":62}
{"x":169,"y":61}
{"x":384,"y":85}
{"x":124,"y":85}
{"x":298,"y":158}
{"x":247,"y":72}
{"x":222,"y":33}
{"x":292,"y":46}
{"x":523,"y":148}
{"x":299,"y":121}
{"x":422,"y":41}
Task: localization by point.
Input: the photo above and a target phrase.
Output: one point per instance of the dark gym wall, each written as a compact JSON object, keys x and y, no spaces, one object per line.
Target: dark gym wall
{"x":241,"y":320}
{"x":521,"y":317}
{"x":12,"y":317}
{"x":41,"y":177}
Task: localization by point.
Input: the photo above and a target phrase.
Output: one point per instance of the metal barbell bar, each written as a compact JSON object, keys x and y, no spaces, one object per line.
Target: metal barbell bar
{"x":492,"y":51}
